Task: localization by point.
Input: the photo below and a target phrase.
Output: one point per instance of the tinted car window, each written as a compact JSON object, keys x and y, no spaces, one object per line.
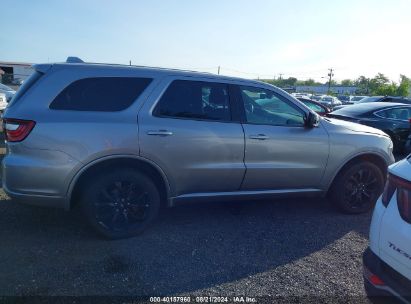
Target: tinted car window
{"x":314,"y":107}
{"x":196,"y":100}
{"x":396,"y":113}
{"x":25,"y":87}
{"x":265,"y":107}
{"x":100,"y":94}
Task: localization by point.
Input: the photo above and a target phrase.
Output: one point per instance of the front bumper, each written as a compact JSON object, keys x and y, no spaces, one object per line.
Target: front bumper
{"x":393,"y":283}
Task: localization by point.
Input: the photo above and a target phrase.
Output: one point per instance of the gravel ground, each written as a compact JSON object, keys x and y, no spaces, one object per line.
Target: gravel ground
{"x":294,"y":250}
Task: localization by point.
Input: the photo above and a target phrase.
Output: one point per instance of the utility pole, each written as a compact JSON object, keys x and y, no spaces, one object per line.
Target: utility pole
{"x":281,"y":76}
{"x":330,"y":75}
{"x":218,"y":72}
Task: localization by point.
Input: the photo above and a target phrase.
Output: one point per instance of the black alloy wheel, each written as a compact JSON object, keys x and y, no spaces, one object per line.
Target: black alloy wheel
{"x":357,"y":188}
{"x":121,"y":204}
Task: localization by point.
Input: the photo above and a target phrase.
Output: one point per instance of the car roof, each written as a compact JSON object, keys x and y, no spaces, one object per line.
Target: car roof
{"x":157,"y":70}
{"x":362,"y":108}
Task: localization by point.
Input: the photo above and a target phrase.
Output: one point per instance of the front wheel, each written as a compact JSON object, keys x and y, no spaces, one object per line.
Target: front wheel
{"x":121,"y":203}
{"x":358,"y":187}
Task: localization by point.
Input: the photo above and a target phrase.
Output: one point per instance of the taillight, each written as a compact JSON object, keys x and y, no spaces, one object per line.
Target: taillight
{"x":16,"y":130}
{"x":404,"y":201}
{"x":389,"y":190}
{"x":373,"y":278}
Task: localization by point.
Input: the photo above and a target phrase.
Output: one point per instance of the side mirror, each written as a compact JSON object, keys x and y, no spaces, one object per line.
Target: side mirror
{"x":311,"y":120}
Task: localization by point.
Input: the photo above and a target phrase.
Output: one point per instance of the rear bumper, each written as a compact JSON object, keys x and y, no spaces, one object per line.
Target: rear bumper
{"x":394,"y":284}
{"x":37,"y":177}
{"x":38,"y":200}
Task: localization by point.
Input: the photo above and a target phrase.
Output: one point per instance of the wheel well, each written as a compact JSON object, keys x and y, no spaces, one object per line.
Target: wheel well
{"x":372,"y":158}
{"x":117,"y":163}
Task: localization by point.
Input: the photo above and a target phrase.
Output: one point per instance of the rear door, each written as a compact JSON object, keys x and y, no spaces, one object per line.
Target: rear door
{"x":280,"y":152}
{"x":187,"y":128}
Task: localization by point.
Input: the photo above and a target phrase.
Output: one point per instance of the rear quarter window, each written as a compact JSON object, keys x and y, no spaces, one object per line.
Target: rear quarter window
{"x":104,"y":94}
{"x":27,"y":84}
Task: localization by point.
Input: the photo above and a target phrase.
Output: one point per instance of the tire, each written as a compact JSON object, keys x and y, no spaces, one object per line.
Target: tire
{"x":357,"y":188}
{"x":121,"y":203}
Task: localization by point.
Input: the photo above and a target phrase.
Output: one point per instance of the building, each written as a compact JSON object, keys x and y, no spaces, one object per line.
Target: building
{"x":13,"y":71}
{"x":323,"y":89}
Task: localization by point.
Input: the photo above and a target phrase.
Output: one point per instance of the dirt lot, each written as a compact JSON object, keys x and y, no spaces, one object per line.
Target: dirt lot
{"x":293,"y":249}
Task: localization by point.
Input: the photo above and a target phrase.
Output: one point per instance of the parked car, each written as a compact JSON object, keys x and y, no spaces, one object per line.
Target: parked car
{"x":387,"y":261}
{"x":345,"y":99}
{"x":317,"y":97}
{"x":378,"y":99}
{"x":18,"y":81}
{"x":3,"y":101}
{"x":392,"y":118}
{"x":315,"y":106}
{"x":330,"y":101}
{"x":397,"y":99}
{"x":9,"y":92}
{"x":119,"y":141}
{"x":356,"y":99}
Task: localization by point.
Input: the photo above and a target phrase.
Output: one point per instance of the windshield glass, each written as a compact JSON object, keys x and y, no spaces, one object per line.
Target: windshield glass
{"x":357,"y":98}
{"x":369,"y":99}
{"x":4,"y":87}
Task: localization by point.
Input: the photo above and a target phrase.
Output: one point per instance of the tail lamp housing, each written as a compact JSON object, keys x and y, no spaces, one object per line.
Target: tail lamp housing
{"x":403,"y":188}
{"x":16,"y":130}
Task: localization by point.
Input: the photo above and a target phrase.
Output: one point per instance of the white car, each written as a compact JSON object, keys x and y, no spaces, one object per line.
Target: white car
{"x":3,"y":102}
{"x":330,"y":101}
{"x":387,"y":262}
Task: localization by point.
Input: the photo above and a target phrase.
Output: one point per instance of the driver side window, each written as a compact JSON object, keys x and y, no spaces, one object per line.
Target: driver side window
{"x":267,"y":108}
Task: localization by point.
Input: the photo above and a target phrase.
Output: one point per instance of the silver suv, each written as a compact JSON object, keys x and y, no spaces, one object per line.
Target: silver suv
{"x":120,"y":141}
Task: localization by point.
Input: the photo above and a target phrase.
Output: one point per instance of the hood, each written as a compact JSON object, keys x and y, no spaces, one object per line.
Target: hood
{"x":352,"y":126}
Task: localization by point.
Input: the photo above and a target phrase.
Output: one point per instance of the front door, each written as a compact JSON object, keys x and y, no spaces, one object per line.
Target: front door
{"x":280,"y":152}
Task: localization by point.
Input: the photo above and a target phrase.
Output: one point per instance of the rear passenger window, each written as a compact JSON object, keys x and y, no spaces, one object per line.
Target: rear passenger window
{"x":196,"y":100}
{"x":100,"y":94}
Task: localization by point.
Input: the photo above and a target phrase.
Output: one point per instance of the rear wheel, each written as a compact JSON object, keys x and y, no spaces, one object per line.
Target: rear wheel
{"x":357,"y":188}
{"x":121,"y":203}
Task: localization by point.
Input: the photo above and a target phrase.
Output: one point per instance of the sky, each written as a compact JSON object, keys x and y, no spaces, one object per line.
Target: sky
{"x":249,"y":39}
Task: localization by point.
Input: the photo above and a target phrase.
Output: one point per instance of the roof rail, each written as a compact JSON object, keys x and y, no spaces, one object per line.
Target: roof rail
{"x":72,"y":59}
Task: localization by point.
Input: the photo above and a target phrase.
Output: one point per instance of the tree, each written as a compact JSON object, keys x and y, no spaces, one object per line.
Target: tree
{"x":347,"y":82}
{"x":404,"y":87}
{"x":386,"y":89}
{"x":379,"y":83}
{"x":362,"y":84}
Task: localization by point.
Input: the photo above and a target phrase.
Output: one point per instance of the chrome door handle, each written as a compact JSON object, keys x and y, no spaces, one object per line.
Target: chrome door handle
{"x":259,"y":137}
{"x":160,"y":133}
